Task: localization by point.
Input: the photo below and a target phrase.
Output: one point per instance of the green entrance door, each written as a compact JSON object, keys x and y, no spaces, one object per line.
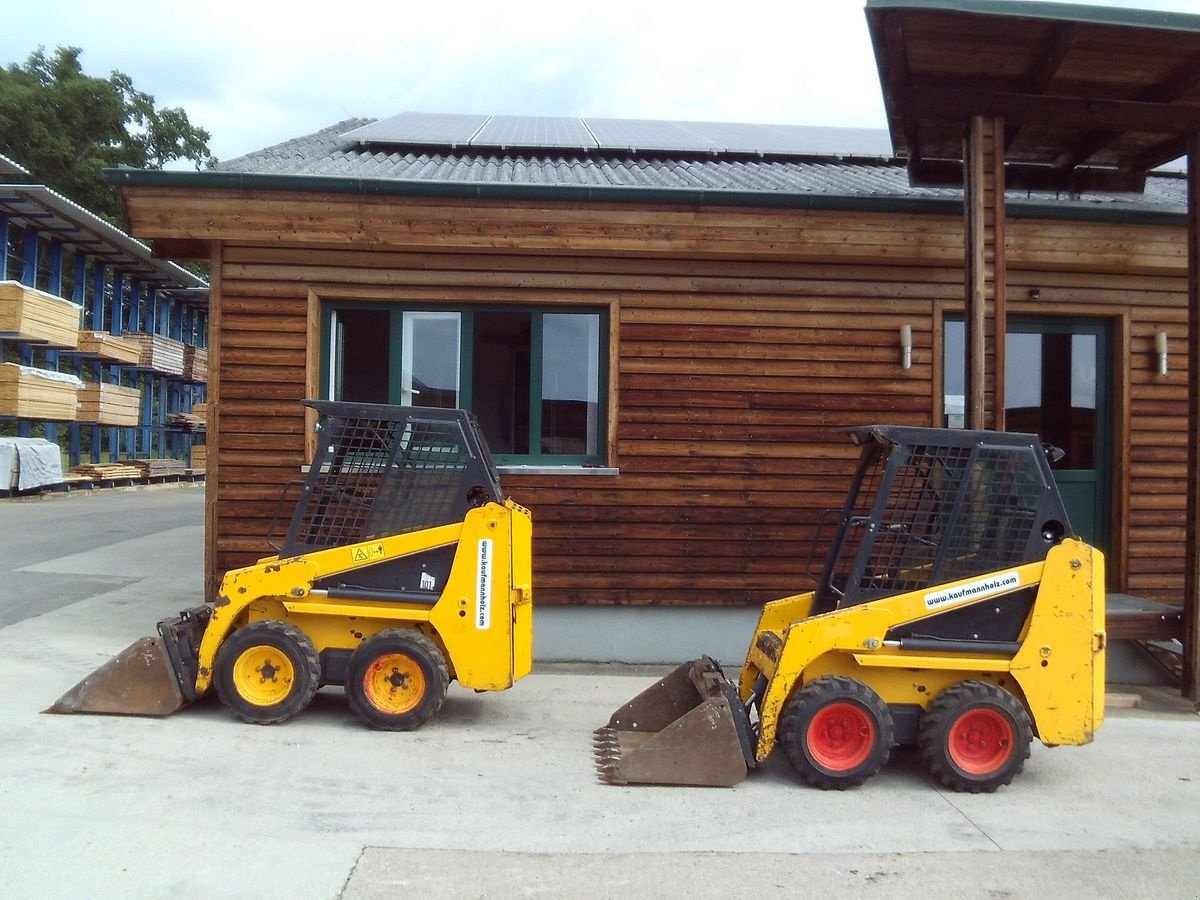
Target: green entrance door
{"x":1057,"y":385}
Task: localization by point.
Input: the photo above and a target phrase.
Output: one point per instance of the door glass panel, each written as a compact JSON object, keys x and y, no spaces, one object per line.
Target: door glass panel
{"x":1050,"y":390}
{"x":429,"y":359}
{"x":570,"y":383}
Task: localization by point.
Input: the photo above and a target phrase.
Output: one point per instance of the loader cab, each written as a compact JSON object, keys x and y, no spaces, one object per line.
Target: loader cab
{"x":931,"y":506}
{"x":385,"y":470}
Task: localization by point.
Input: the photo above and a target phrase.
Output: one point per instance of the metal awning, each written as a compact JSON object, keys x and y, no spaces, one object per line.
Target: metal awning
{"x":1092,"y":97}
{"x":53,"y":214}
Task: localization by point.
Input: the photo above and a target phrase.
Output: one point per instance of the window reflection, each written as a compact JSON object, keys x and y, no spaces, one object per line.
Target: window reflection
{"x":1050,"y":388}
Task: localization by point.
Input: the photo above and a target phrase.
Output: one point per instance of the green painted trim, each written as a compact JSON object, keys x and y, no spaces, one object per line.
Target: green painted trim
{"x":466,"y":362}
{"x":395,"y":363}
{"x":537,"y":352}
{"x":1059,"y":12}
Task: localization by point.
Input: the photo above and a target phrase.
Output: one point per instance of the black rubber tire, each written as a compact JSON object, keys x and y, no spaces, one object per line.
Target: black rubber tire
{"x":975,"y":737}
{"x":293,"y":645}
{"x":416,"y":653}
{"x":837,"y":732}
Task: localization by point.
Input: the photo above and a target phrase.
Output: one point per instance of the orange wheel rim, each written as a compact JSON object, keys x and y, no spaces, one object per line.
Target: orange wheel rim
{"x":840,"y":737}
{"x":981,"y":741}
{"x":394,"y":684}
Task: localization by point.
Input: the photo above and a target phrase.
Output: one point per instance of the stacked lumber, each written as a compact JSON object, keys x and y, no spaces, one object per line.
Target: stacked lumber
{"x":148,"y":468}
{"x":110,"y":347}
{"x":107,"y":471}
{"x":29,"y":393}
{"x":199,"y":456}
{"x":27,"y":314}
{"x":195,"y":421}
{"x":109,"y":404}
{"x":186,"y":422}
{"x":195,"y":364}
{"x":162,"y":354}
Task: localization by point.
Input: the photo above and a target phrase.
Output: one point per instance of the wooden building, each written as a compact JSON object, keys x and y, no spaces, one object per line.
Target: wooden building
{"x":664,"y":328}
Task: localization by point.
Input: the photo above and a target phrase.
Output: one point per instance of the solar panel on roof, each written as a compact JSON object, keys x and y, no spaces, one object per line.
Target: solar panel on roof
{"x":622,"y":135}
{"x":420,"y":128}
{"x":646,"y":134}
{"x":534,"y":131}
{"x":798,"y":140}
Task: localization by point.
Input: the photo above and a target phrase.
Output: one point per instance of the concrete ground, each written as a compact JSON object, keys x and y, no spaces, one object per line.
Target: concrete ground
{"x":496,"y":797}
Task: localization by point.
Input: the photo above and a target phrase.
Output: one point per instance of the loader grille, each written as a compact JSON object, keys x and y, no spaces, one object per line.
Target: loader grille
{"x":390,"y":474}
{"x":925,"y":513}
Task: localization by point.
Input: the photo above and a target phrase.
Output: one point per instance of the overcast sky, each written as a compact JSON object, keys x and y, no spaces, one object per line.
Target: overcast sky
{"x":257,"y":73}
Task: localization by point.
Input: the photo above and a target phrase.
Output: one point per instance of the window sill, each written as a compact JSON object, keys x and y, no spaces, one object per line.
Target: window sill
{"x":558,"y":470}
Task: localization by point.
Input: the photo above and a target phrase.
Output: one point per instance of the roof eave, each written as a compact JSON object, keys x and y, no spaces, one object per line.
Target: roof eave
{"x":396,"y":187}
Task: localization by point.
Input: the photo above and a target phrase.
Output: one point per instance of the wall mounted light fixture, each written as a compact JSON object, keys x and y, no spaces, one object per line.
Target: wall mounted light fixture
{"x":1160,"y":347}
{"x":906,"y":346}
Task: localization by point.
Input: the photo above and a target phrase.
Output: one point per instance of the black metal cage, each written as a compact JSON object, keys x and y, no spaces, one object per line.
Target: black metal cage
{"x":929,"y":506}
{"x":382,"y":470}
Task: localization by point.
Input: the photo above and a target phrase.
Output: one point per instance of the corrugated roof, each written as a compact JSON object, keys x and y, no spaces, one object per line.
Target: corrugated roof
{"x":334,"y":153}
{"x":10,"y":169}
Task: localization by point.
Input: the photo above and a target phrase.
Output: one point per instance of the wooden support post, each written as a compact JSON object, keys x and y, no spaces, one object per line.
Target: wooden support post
{"x":1191,"y":590}
{"x":984,"y":269}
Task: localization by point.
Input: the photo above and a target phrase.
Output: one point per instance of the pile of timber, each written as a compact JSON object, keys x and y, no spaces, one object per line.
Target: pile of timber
{"x":186,"y":422}
{"x":199,"y":456}
{"x":110,"y":347}
{"x":195,"y":364}
{"x":29,"y":393}
{"x":194,"y":421}
{"x":161,"y":354}
{"x":148,"y":468}
{"x":109,"y":404}
{"x":27,"y":314}
{"x":107,"y":471}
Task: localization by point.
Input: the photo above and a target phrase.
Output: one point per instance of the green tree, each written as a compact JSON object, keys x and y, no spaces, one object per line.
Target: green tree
{"x":65,"y":127}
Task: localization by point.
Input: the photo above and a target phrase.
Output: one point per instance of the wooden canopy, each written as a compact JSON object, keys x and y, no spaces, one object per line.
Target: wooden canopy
{"x":1091,"y":97}
{"x":999,"y":94}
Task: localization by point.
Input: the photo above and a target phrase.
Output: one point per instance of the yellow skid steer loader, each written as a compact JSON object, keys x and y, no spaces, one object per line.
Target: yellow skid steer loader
{"x":953,"y":612}
{"x":403,"y":568}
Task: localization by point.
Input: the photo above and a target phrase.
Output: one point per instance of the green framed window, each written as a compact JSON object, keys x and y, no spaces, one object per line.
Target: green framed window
{"x":534,"y":377}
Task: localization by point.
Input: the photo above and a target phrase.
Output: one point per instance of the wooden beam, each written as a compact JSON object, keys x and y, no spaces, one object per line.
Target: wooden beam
{"x":974,"y":265}
{"x":1158,"y":155}
{"x":1096,"y":113}
{"x":1191,"y":589}
{"x":175,"y":248}
{"x":995,"y":162}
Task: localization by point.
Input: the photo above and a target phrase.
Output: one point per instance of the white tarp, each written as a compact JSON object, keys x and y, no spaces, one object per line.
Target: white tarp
{"x":29,"y":463}
{"x":50,"y":375}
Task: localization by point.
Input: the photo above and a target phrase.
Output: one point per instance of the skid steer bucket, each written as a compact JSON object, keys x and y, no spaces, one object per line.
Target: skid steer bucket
{"x":138,"y":681}
{"x":153,"y":676}
{"x":689,"y":728}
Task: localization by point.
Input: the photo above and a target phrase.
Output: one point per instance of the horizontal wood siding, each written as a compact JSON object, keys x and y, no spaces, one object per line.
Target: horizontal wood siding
{"x":747,"y":339}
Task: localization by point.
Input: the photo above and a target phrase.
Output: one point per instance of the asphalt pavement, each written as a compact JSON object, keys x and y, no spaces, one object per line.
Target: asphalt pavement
{"x":497,"y":796}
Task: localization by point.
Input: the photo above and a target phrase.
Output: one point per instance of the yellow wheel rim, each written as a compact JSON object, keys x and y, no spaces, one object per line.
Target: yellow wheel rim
{"x":394,"y":684}
{"x":263,"y":675}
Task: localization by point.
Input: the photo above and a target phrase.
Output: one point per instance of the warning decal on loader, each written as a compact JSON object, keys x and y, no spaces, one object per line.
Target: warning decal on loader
{"x":974,"y":590}
{"x":366,"y":554}
{"x":483,"y":595}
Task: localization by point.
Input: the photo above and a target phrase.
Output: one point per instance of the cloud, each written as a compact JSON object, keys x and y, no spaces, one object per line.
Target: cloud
{"x":256,"y":74}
